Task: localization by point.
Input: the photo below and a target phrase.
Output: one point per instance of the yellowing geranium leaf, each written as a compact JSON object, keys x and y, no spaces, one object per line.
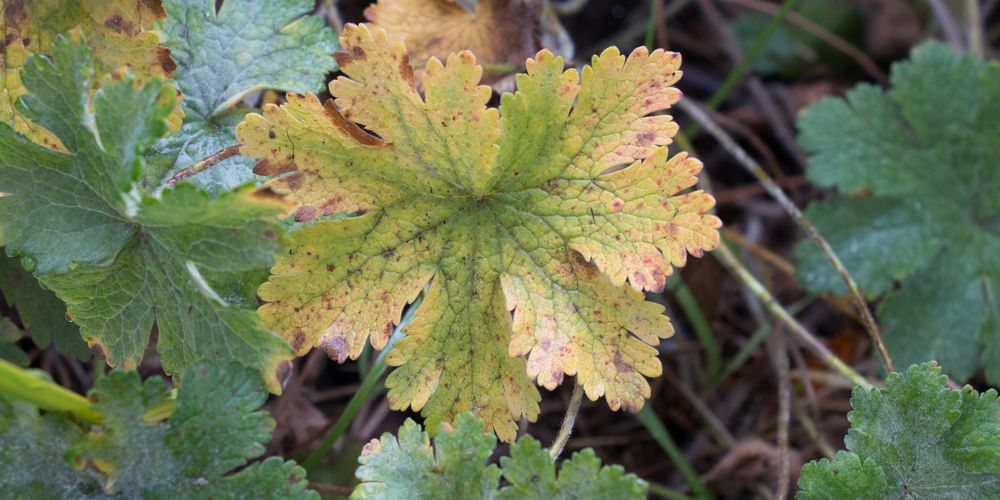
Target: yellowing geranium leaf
{"x":509,"y":210}
{"x":113,"y":30}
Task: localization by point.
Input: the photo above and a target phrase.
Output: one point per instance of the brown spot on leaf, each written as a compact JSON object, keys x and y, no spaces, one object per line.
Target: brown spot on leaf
{"x":269,"y":166}
{"x":584,"y":268}
{"x":374,"y":446}
{"x":620,"y":364}
{"x":300,"y":341}
{"x":304,"y":213}
{"x":351,"y":128}
{"x":283,"y":372}
{"x":165,"y":61}
{"x":645,"y":138}
{"x":97,"y":349}
{"x":293,"y":181}
{"x":336,"y":348}
{"x":267,"y":195}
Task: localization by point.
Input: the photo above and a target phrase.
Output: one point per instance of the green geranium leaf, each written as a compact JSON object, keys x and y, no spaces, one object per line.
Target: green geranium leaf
{"x":914,"y":439}
{"x":221,"y":55}
{"x":455,"y":468}
{"x":925,"y":158}
{"x":41,"y":312}
{"x":120,"y":258}
{"x":212,"y":430}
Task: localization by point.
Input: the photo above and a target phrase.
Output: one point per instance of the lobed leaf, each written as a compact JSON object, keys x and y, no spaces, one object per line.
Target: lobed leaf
{"x":914,"y":439}
{"x":926,"y":214}
{"x":408,"y":467}
{"x":212,"y":430}
{"x":121,"y":259}
{"x":225,"y":50}
{"x":510,"y":210}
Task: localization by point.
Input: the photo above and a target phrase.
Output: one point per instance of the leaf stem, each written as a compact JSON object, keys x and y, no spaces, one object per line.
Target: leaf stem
{"x":943,"y":15}
{"x":741,"y":156}
{"x":374,"y":375}
{"x":713,"y":354}
{"x":568,"y":421}
{"x":729,"y":260}
{"x":975,"y":27}
{"x":203,"y":164}
{"x":652,"y":422}
{"x":21,"y":384}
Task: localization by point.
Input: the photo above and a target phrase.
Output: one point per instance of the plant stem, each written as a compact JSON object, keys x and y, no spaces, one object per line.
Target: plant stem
{"x":713,"y":354}
{"x":568,"y":421}
{"x":331,"y":489}
{"x":374,"y":375}
{"x":741,"y":156}
{"x":780,"y":357}
{"x":654,"y":8}
{"x":663,"y":491}
{"x":943,"y":15}
{"x":659,"y":432}
{"x":203,"y":164}
{"x":729,"y":260}
{"x":21,"y":384}
{"x":975,"y":27}
{"x":734,"y":76}
{"x":822,"y":33}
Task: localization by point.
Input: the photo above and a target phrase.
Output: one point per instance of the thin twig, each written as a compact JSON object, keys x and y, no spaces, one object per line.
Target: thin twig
{"x":331,"y":489}
{"x":975,"y":27}
{"x":692,"y":109}
{"x":729,"y":260}
{"x":781,"y":129}
{"x":719,"y":429}
{"x":203,"y":164}
{"x":760,"y":252}
{"x":568,"y":421}
{"x":779,"y":355}
{"x":943,"y":15}
{"x":822,"y":33}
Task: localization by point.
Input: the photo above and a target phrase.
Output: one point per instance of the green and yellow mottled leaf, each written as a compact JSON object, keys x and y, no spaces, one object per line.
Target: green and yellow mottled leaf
{"x":115,"y":36}
{"x":516,"y":217}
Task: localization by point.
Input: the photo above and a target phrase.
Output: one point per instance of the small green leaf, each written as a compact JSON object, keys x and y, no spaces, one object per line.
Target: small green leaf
{"x":455,"y":468}
{"x":212,"y":430}
{"x":914,"y":439}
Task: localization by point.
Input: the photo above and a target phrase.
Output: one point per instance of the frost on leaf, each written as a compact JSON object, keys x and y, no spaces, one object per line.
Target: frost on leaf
{"x":503,"y":211}
{"x":914,"y":439}
{"x":926,"y":155}
{"x":455,"y":467}
{"x":212,"y":430}
{"x":223,"y":53}
{"x":497,"y":31}
{"x":115,"y":36}
{"x":121,"y":259}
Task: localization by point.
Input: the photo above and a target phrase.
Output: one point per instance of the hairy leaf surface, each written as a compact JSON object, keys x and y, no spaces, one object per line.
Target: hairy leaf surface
{"x":222,"y":54}
{"x":511,"y":210}
{"x":114,"y":33}
{"x":408,"y":467}
{"x":212,"y":430}
{"x":926,"y":155}
{"x":914,"y":439}
{"x":122,"y":260}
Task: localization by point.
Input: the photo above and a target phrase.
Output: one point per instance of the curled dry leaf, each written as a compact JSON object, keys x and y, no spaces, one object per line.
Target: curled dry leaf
{"x":496,"y":31}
